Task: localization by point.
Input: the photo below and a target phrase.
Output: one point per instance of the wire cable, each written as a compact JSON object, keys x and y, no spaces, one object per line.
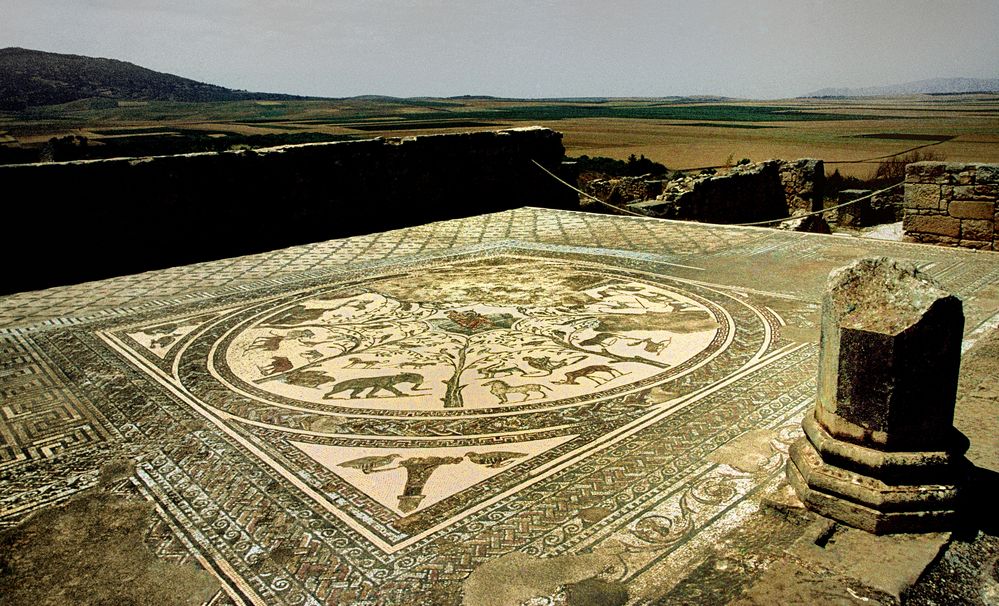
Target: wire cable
{"x":634,"y":214}
{"x":824,"y":210}
{"x":595,"y":199}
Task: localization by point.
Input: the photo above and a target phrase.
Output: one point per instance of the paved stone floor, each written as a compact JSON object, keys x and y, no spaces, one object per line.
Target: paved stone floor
{"x":384,"y":419}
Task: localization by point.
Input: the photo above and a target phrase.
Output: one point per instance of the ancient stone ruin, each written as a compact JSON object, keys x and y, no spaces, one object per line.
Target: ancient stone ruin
{"x":239,"y":202}
{"x":880,"y":451}
{"x":952,"y":204}
{"x":754,"y":192}
{"x":873,"y":208}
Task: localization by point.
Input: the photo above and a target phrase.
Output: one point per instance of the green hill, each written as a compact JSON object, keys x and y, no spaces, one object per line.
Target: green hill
{"x":31,"y":78}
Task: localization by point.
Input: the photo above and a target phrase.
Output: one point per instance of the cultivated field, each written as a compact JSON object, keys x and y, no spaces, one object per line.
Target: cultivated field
{"x":849,"y":134}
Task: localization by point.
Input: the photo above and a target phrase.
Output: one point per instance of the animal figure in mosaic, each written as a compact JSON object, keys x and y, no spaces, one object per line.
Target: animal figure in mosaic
{"x":295,"y":315}
{"x":163,"y":341}
{"x":501,"y":390}
{"x":358,"y":304}
{"x":273,"y":341}
{"x":278,"y":364}
{"x":307,"y":378}
{"x":498,"y":370}
{"x":495,"y":460}
{"x":417,"y":364}
{"x":548,"y":365}
{"x":588,"y":372}
{"x":606,"y":339}
{"x":358,"y":362}
{"x":311,"y":355}
{"x":163,"y":329}
{"x":601,"y":339}
{"x":269,"y":343}
{"x":374,"y":385}
{"x":655,"y":347}
{"x":371,"y":464}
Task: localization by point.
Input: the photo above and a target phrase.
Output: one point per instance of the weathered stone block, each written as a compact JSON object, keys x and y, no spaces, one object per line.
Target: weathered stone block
{"x":938,"y":225}
{"x":972,"y":229}
{"x":975,"y":192}
{"x":976,"y":244}
{"x":941,"y":241}
{"x":965,"y":177}
{"x":929,"y":239}
{"x":803,"y":181}
{"x":927,"y":172}
{"x":987,"y":173}
{"x":889,"y":356}
{"x":963,"y":209}
{"x":922,"y":195}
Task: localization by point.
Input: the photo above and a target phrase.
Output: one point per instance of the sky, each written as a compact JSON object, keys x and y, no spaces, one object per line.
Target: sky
{"x":764,"y":49}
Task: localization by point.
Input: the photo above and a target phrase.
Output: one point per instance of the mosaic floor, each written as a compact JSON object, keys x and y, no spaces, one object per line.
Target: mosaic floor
{"x":369,"y":420}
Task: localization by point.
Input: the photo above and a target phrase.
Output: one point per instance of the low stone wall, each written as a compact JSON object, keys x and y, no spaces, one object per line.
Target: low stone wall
{"x":952,"y":204}
{"x":756,"y":192}
{"x":112,"y":217}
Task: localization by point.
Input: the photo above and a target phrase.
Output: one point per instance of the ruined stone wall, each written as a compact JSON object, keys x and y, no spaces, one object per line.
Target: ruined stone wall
{"x":952,"y":204}
{"x":616,"y":190}
{"x":756,"y":192}
{"x":112,"y":217}
{"x":804,"y":183}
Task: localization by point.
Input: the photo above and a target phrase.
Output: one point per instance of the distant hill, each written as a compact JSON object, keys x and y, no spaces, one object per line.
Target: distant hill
{"x":30,"y":78}
{"x":934,"y":86}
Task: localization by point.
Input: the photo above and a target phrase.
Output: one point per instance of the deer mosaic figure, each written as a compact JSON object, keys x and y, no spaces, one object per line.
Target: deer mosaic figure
{"x":548,"y":365}
{"x":501,"y":390}
{"x":358,"y":362}
{"x":588,"y":372}
{"x":498,"y":370}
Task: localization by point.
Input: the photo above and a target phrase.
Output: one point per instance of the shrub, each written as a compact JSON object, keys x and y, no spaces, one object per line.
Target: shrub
{"x":892,"y":170}
{"x":836,"y":183}
{"x":632,"y":167}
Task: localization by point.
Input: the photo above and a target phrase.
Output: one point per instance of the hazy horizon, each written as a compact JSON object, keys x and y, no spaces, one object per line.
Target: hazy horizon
{"x":521,"y":49}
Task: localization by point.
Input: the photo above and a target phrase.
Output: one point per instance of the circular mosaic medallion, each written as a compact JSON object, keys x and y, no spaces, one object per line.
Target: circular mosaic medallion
{"x":496,"y":337}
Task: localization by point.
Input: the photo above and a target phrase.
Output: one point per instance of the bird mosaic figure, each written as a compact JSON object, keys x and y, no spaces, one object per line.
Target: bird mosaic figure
{"x":496,"y":459}
{"x":370,"y":464}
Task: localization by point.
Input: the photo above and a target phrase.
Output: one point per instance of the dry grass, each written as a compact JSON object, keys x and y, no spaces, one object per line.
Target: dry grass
{"x":678,"y":145}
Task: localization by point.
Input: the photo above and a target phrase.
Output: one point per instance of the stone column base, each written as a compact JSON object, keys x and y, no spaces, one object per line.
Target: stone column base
{"x":880,"y":492}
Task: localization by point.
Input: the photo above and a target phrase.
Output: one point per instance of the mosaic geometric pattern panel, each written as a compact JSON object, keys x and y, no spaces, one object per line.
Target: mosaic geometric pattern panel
{"x":37,"y":418}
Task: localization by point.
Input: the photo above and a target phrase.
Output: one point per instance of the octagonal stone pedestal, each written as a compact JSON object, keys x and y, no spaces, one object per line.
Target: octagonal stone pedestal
{"x":880,"y":451}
